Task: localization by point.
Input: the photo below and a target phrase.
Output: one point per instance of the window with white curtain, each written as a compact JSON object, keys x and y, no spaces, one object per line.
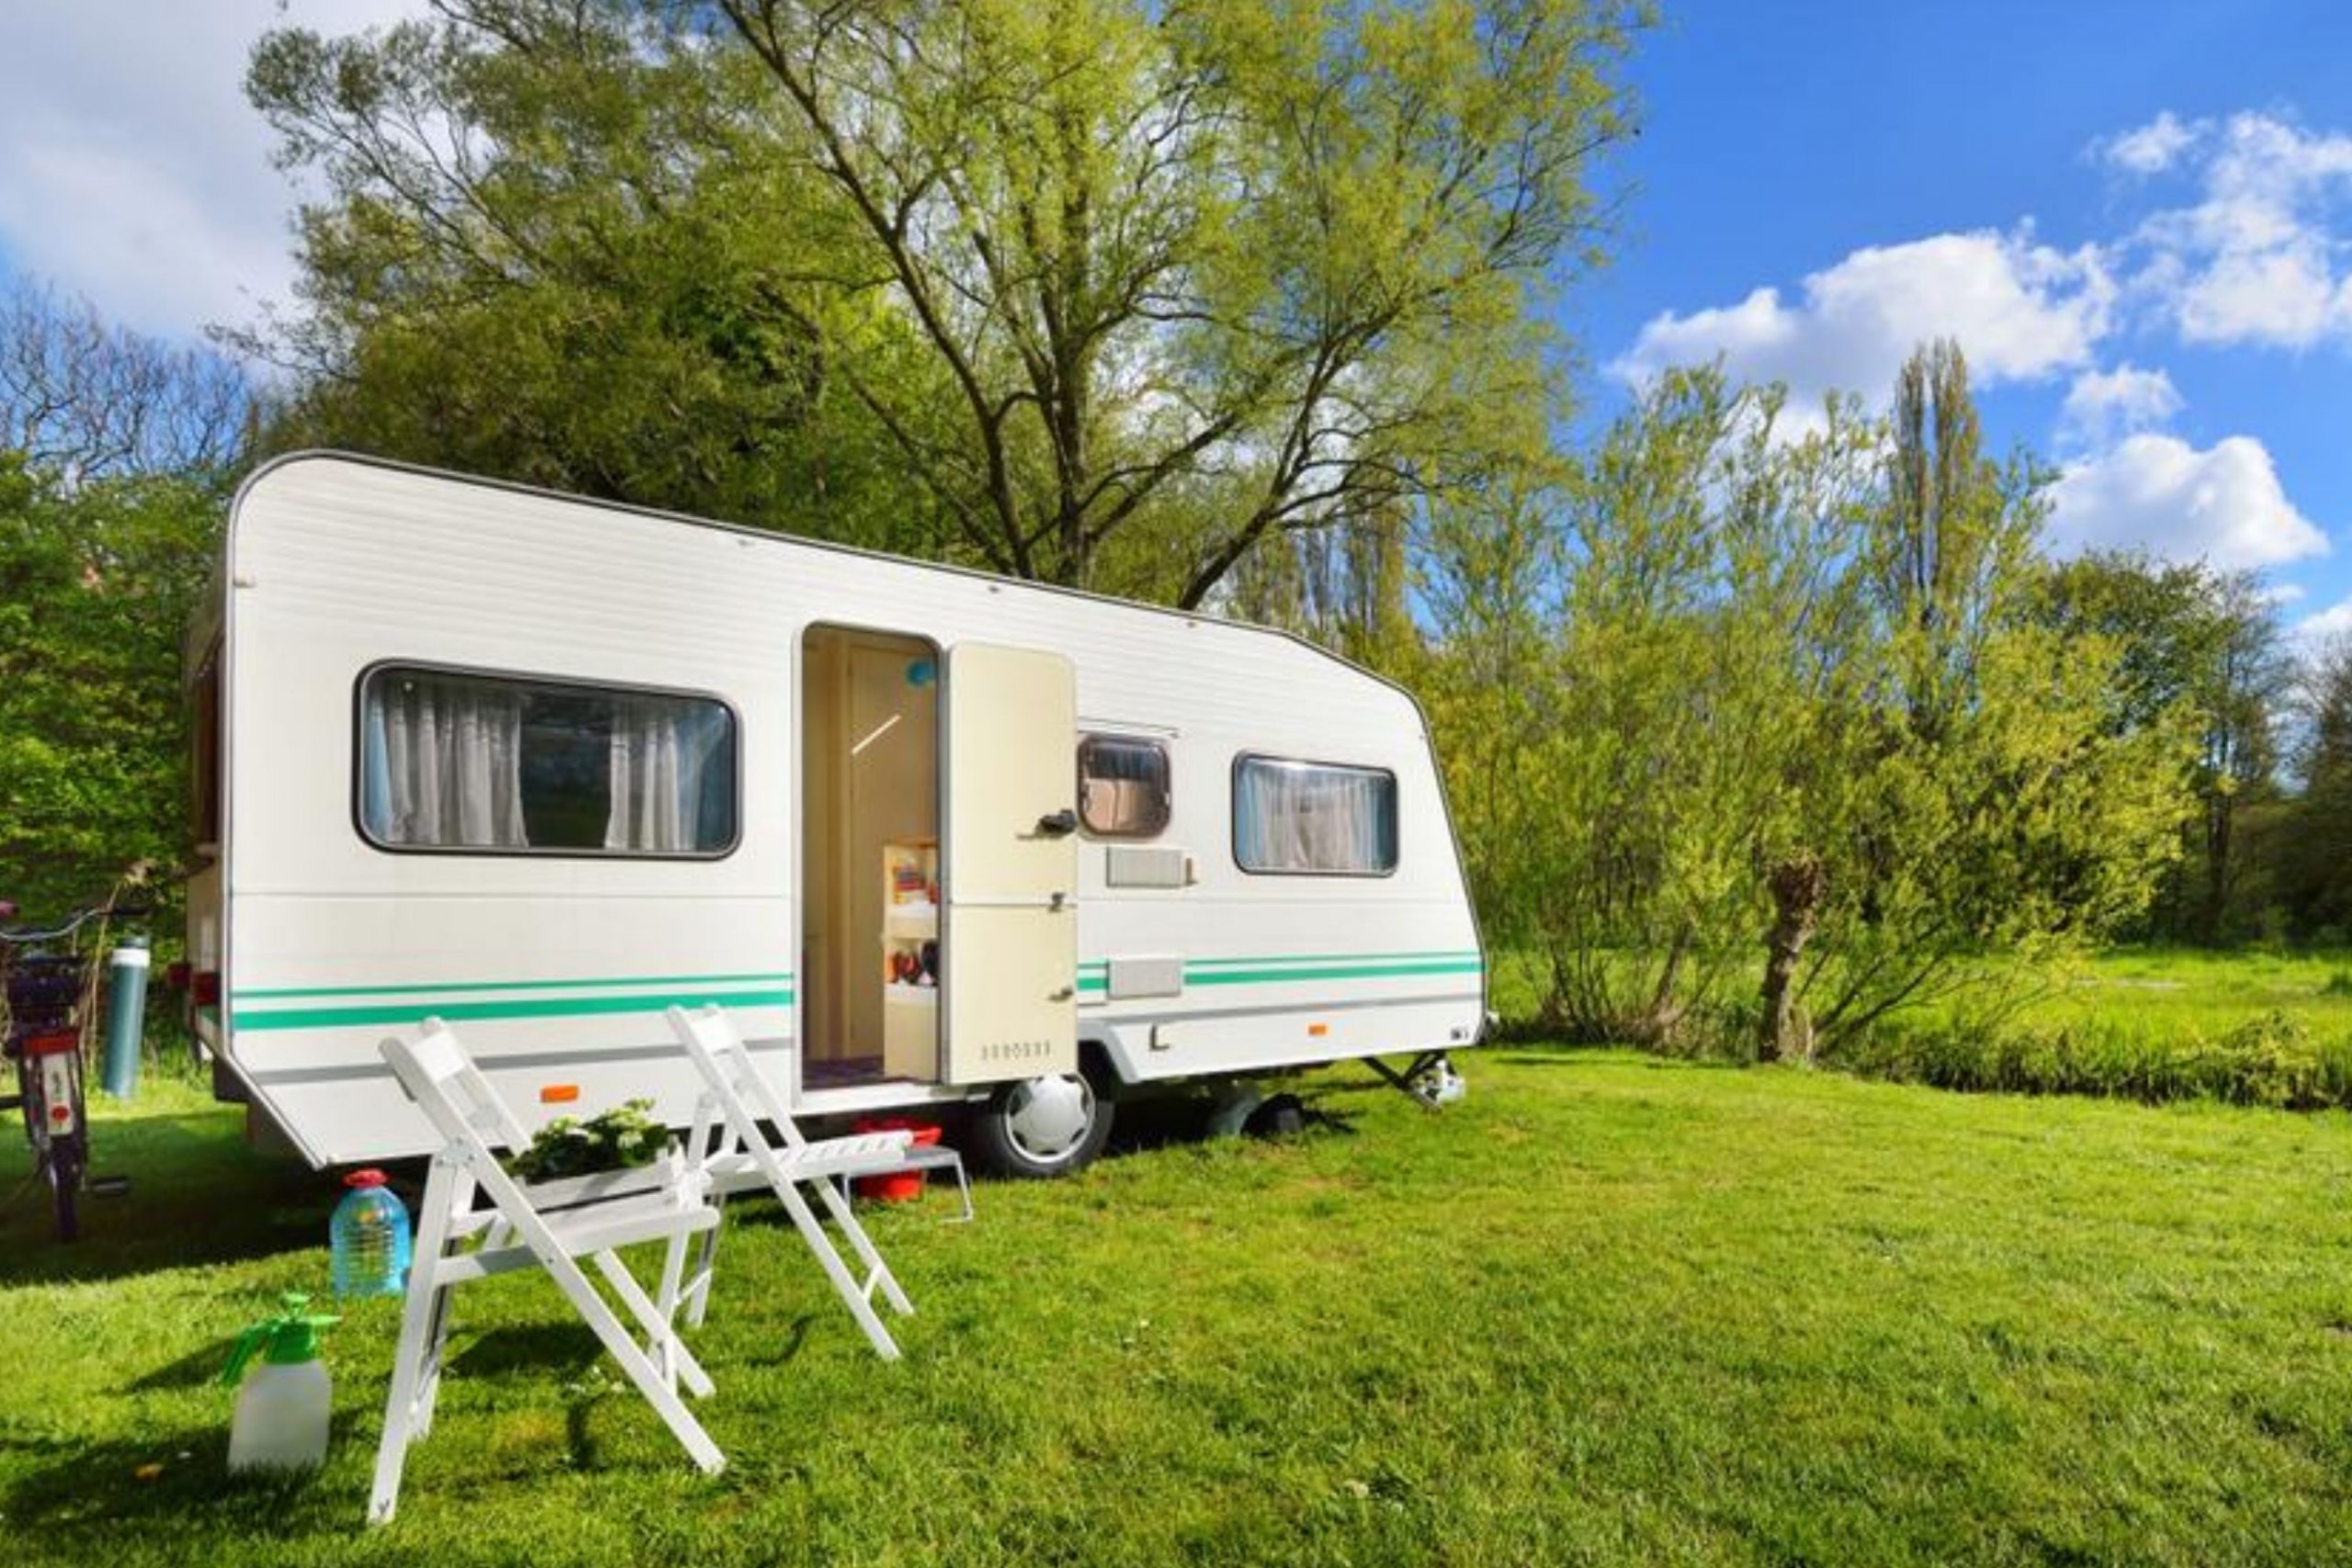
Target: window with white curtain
{"x":506,"y":764}
{"x":1313,"y":818}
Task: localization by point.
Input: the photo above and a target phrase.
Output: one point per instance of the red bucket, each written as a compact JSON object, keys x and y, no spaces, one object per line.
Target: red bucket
{"x":901,"y":1186}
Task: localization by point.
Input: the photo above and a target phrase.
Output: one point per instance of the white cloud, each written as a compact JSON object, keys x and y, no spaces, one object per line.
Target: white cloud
{"x":2104,"y":404}
{"x":131,"y":169}
{"x":2256,"y":258}
{"x":2314,"y":632}
{"x":2151,"y":149}
{"x":2156,"y":492}
{"x":2021,"y":311}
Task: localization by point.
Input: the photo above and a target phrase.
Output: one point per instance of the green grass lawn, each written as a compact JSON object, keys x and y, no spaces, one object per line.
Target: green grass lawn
{"x":2173,"y":988}
{"x":1608,"y":1309}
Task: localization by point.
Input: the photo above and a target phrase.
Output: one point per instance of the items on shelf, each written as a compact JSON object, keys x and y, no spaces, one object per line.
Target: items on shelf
{"x":910,"y":956}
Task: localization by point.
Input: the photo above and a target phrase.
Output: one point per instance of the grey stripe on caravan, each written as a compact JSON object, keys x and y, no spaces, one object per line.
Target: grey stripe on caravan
{"x":297,"y":1075}
{"x":1107,"y":1016}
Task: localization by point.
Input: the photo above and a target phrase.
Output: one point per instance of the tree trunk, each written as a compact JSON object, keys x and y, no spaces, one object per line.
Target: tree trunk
{"x":1786,"y":1035}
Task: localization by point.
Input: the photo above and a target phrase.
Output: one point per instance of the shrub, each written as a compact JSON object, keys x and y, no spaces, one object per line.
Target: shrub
{"x":2274,"y":1060}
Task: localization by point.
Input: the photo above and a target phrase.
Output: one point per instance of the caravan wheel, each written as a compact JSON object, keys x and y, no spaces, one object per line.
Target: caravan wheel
{"x":1040,"y":1127}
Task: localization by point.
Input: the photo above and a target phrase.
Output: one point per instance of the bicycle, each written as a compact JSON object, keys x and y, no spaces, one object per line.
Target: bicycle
{"x":47,"y":997}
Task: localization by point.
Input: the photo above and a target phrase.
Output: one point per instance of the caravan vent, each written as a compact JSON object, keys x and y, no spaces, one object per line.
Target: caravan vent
{"x":1145,"y":978}
{"x":1146,"y":866}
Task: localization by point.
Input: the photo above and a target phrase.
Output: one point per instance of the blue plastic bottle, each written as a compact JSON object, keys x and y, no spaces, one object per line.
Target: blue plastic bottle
{"x":369,"y":1235}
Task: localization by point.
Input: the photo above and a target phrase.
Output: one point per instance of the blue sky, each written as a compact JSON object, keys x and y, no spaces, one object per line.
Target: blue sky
{"x":2137,"y":217}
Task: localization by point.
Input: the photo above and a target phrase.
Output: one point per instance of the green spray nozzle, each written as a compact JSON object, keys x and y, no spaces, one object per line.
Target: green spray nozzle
{"x":290,"y":1336}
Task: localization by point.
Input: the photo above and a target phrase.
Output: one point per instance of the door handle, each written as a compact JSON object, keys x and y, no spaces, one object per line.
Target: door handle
{"x":1057,"y":824}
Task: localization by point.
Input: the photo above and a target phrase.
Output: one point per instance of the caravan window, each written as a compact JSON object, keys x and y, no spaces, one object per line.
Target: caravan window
{"x":512,"y":765}
{"x":1313,"y":817}
{"x":1123,"y":790}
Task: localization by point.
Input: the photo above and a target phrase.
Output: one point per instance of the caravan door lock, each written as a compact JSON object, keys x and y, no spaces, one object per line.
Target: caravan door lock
{"x":1057,"y":824}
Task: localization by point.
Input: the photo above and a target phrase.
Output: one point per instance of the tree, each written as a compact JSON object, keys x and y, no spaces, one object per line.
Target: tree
{"x":2249,"y":678}
{"x":2316,"y":881}
{"x":558,"y":247}
{"x":82,"y":399}
{"x":1726,"y":683}
{"x":97,"y":582}
{"x":109,"y":507}
{"x":1105,"y":293}
{"x":2195,"y":642}
{"x":1632,"y":686}
{"x":1999,"y":810}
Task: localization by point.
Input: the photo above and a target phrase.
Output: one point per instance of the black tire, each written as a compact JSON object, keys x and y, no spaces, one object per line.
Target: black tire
{"x":66,"y":1186}
{"x":1038,"y":1128}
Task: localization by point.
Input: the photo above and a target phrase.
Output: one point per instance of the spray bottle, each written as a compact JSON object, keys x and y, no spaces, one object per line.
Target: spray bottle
{"x":281,"y":1422}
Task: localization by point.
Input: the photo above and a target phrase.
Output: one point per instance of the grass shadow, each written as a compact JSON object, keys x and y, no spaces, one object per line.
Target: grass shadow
{"x":560,"y":1350}
{"x":172,"y":1482}
{"x":192,"y":1370}
{"x":1600,"y":1057}
{"x":198,"y":1195}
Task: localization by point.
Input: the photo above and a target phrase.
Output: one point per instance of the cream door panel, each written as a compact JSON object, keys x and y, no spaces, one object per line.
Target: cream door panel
{"x":1010,"y":874}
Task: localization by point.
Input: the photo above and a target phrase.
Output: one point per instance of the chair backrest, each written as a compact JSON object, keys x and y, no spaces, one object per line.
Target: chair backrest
{"x":710,"y":1037}
{"x":451,"y":1092}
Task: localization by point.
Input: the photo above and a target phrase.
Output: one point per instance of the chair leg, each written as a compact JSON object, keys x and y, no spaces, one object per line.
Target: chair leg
{"x":420,"y":1314}
{"x":648,"y":1379}
{"x":674,"y":1273}
{"x":846,"y":1217}
{"x":674,"y":1361}
{"x":853,"y":1295}
{"x":437,"y":1345}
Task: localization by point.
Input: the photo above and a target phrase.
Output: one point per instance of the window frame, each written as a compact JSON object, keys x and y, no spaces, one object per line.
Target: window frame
{"x":1167,"y":796}
{"x":1233,"y":805}
{"x":357,"y":757}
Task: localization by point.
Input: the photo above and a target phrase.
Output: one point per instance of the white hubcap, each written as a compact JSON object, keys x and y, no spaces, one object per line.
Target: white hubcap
{"x":1048,"y":1117}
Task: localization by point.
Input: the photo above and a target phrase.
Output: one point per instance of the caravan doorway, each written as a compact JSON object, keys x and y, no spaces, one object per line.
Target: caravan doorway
{"x":870,"y":960}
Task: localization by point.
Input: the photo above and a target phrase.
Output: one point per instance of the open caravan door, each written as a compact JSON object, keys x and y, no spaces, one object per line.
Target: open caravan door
{"x":1011,"y":878}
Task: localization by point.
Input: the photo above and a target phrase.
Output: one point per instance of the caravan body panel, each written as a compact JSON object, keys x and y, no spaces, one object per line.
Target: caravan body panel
{"x":556,"y":967}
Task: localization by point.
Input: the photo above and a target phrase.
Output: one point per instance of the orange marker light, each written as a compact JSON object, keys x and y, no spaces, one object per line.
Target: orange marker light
{"x":559,"y":1094}
{"x":1318,"y":1031}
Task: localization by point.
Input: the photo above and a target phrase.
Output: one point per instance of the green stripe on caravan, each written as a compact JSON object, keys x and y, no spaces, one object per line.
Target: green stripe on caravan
{"x":519,"y":1007}
{"x":448,"y":987}
{"x":1093,"y":976}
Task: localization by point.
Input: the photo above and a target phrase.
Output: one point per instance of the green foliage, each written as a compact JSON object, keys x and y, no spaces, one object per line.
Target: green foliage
{"x":620,"y":1139}
{"x":2313,"y":872}
{"x":97,"y":580}
{"x":2274,"y":1061}
{"x":2149,"y":1024}
{"x":1093,"y":291}
{"x":1722,"y":660}
{"x":2204,"y":647}
{"x":556,"y":248}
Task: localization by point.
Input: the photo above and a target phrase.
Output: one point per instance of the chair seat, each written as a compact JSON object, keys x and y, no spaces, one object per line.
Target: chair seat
{"x":861,"y":1154}
{"x":652,"y":1216}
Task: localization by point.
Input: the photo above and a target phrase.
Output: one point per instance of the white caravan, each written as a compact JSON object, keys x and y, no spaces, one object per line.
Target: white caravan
{"x":543,"y":767}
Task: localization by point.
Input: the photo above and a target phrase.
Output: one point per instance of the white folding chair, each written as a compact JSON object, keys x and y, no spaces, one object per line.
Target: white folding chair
{"x":549,"y":1226}
{"x":729,"y":1149}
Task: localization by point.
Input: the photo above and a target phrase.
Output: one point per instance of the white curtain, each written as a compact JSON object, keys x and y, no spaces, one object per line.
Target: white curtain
{"x":444,"y":764}
{"x":667,"y":755}
{"x":1298,"y":817}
